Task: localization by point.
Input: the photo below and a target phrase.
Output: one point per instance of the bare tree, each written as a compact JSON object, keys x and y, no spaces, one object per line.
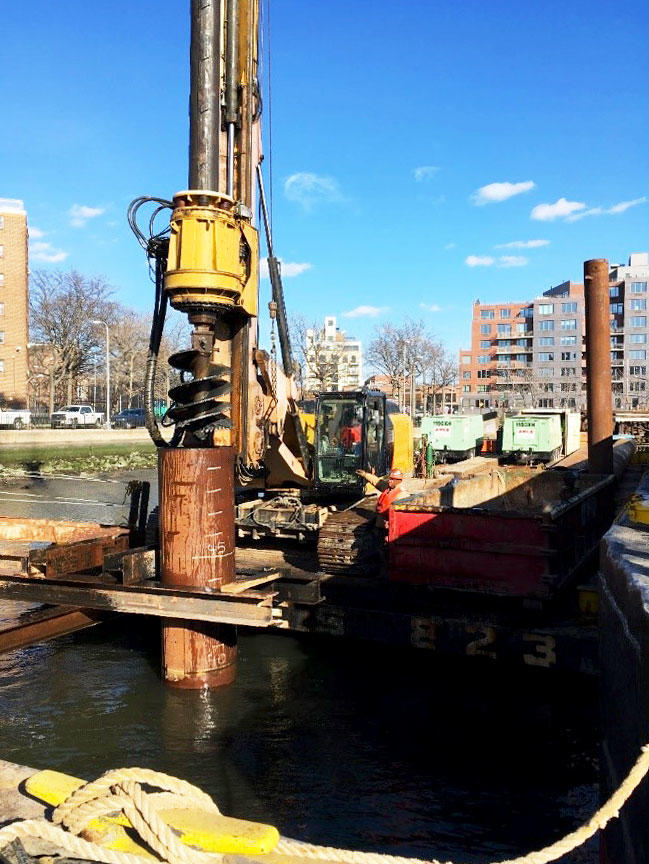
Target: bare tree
{"x":409,"y":352}
{"x":318,"y":361}
{"x":61,"y":309}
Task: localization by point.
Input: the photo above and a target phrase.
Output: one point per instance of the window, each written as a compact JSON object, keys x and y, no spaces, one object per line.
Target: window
{"x":2,"y":222}
{"x":466,"y":358}
{"x":504,"y":343}
{"x":466,"y":374}
{"x":485,"y":329}
{"x":483,"y":388}
{"x":546,"y":340}
{"x":504,"y":313}
{"x":614,"y":291}
{"x":568,"y":324}
{"x":546,"y":372}
{"x":484,"y":358}
{"x":638,"y":287}
{"x":524,"y":343}
{"x":486,"y":313}
{"x":638,"y":304}
{"x":2,"y":251}
{"x":466,"y":388}
{"x":638,"y":355}
{"x":2,"y":336}
{"x":638,"y":338}
{"x":546,"y":308}
{"x":546,"y":356}
{"x":568,"y":355}
{"x":638,"y":370}
{"x":568,"y":371}
{"x":521,"y":327}
{"x":569,"y":307}
{"x":2,"y":365}
{"x":637,"y":386}
{"x":568,"y":340}
{"x":2,"y":278}
{"x":485,"y":343}
{"x":546,"y":403}
{"x":483,"y":373}
{"x":548,"y":388}
{"x":546,"y":325}
{"x":639,"y":321}
{"x":568,"y":387}
{"x":617,"y":308}
{"x":527,"y":312}
{"x":505,"y":329}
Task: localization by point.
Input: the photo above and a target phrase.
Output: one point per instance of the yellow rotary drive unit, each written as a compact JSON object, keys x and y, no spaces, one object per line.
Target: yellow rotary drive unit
{"x":213,"y":254}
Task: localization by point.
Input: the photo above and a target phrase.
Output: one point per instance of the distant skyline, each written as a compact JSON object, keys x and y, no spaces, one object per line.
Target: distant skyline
{"x":424,"y":155}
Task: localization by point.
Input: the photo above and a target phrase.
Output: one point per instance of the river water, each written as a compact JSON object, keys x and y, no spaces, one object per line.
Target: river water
{"x":352,"y":745}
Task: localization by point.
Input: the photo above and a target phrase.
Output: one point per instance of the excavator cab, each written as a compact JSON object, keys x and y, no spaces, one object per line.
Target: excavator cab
{"x":350,"y":433}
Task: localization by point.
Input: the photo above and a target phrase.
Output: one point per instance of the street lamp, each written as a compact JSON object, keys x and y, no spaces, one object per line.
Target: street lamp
{"x":107,"y":371}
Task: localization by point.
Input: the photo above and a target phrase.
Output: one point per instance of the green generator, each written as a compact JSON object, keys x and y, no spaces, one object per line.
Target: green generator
{"x":454,"y":436}
{"x":528,"y":438}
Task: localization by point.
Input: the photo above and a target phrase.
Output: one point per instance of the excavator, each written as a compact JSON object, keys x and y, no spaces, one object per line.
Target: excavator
{"x":293,"y":479}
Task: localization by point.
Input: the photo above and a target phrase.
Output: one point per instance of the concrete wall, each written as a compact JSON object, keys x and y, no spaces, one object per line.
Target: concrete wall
{"x":624,"y":645}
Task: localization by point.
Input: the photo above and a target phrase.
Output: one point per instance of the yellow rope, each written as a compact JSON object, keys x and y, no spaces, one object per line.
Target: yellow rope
{"x":121,"y":790}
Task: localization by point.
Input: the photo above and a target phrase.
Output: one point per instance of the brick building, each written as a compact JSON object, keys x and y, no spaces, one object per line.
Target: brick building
{"x":533,"y":353}
{"x":13,"y":302}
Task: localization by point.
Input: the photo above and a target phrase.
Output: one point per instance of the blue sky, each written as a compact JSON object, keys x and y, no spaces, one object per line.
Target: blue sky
{"x":425,"y":154}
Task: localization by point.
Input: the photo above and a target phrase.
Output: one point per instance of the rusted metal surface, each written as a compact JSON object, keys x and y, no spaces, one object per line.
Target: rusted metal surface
{"x":204,"y":101}
{"x":133,"y":566}
{"x":197,"y":552}
{"x":249,"y":608}
{"x":598,"y":366}
{"x":42,"y":624}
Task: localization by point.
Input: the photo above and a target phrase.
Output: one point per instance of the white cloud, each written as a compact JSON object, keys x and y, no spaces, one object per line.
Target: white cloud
{"x":503,"y":261}
{"x":513,"y":261}
{"x":620,"y":207}
{"x":80,"y":213}
{"x":559,"y":210}
{"x":46,"y":252}
{"x":624,"y":205}
{"x":35,"y":233}
{"x":424,"y":172}
{"x":523,"y":244}
{"x":287,"y":268}
{"x":365,"y":312}
{"x":479,"y":261}
{"x":495,"y":192}
{"x":450,"y":246}
{"x":308,"y":189}
{"x":430,"y":307}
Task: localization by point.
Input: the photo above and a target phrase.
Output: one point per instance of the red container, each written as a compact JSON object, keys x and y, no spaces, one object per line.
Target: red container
{"x":495,"y":549}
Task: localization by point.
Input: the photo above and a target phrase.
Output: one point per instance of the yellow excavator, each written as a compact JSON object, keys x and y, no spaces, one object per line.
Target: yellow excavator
{"x":293,"y":479}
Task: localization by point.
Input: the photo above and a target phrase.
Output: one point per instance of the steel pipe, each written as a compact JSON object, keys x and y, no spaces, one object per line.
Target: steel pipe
{"x":197,"y":551}
{"x":204,"y":96}
{"x":598,"y":367}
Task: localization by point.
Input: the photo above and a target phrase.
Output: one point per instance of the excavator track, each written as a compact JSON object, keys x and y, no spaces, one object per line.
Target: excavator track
{"x":348,"y":542}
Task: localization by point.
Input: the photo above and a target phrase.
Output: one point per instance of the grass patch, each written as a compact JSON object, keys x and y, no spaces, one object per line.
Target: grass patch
{"x":78,"y":459}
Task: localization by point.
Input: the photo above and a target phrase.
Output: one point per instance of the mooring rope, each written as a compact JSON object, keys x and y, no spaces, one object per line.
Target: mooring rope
{"x":121,"y":790}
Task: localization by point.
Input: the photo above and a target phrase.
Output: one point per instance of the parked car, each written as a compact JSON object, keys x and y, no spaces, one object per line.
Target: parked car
{"x":76,"y":415}
{"x":130,"y":418}
{"x":16,"y":418}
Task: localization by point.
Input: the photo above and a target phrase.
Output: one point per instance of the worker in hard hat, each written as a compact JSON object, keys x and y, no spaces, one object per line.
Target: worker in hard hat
{"x":391,"y":490}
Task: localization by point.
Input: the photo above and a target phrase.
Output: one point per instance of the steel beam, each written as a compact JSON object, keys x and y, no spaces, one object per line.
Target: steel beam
{"x":43,"y":624}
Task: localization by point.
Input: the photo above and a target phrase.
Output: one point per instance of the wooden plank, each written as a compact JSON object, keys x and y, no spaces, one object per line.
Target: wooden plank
{"x":244,"y":584}
{"x":140,"y":600}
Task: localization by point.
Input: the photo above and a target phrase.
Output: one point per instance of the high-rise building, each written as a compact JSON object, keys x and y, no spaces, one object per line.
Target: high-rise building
{"x":13,"y":302}
{"x":333,"y":360}
{"x":533,"y":353}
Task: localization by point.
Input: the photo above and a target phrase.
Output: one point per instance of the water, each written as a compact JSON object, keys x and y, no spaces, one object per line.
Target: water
{"x":358,"y":746}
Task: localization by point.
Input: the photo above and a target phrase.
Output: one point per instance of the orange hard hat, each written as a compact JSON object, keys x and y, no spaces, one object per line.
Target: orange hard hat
{"x":396,"y":474}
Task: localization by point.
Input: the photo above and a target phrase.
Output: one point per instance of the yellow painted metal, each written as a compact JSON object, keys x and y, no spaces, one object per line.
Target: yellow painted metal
{"x":403,"y":442}
{"x":638,"y":510}
{"x":308,"y":420}
{"x":213,"y":254}
{"x":588,"y":600}
{"x":206,"y":831}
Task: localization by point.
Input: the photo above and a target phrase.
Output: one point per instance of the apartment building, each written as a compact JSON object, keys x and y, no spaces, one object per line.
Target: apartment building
{"x":498,"y":365}
{"x":13,"y":302}
{"x":542,"y":361}
{"x":333,"y":360}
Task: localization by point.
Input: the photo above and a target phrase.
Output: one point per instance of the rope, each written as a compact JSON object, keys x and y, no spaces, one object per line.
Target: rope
{"x":120,"y":790}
